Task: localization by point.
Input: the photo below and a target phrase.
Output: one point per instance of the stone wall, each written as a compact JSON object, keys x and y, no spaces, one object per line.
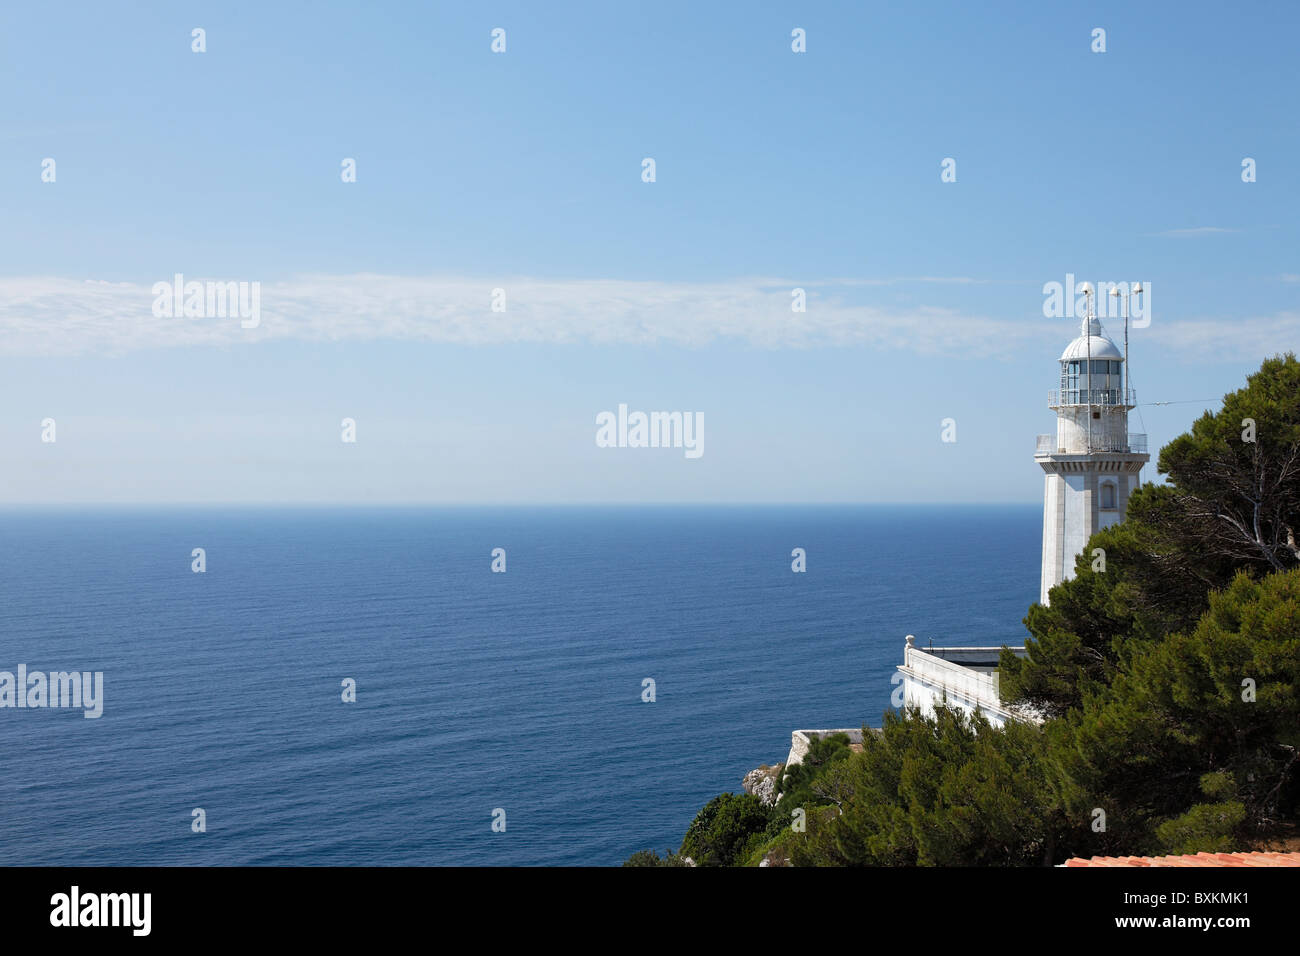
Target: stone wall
{"x":966,"y":677}
{"x":801,"y":741}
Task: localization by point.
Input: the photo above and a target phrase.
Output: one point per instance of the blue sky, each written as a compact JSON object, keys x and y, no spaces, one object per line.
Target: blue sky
{"x":522,"y":171}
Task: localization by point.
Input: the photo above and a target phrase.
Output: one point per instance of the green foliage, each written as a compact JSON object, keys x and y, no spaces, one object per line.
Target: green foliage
{"x":727,"y":830}
{"x":1205,"y":828}
{"x":1219,"y":785}
{"x":799,"y":785}
{"x":651,"y":858}
{"x":1078,"y":638}
{"x":1234,"y":498}
{"x":1182,"y":709}
{"x":779,"y":838}
{"x":946,"y":790}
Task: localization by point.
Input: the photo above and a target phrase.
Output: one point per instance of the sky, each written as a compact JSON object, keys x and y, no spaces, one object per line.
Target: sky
{"x":522,"y":171}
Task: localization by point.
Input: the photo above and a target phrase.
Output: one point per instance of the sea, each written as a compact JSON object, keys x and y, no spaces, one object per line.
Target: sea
{"x":499,"y":718}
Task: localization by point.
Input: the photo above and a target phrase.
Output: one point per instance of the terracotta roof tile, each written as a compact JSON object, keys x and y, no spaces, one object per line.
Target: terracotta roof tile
{"x":1261,"y":858}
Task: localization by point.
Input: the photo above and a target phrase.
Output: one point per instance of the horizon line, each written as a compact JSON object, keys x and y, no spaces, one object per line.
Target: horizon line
{"x":14,"y":505}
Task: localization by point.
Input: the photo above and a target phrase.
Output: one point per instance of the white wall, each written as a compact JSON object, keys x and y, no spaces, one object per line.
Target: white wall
{"x":929,"y":678}
{"x":1078,"y":522}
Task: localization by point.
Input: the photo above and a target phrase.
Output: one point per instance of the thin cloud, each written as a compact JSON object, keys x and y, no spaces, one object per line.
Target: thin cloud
{"x":926,"y":280}
{"x":1247,"y":339}
{"x":59,"y":316}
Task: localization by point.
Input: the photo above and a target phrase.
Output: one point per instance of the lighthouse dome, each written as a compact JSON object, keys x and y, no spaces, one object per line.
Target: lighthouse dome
{"x":1091,"y":337}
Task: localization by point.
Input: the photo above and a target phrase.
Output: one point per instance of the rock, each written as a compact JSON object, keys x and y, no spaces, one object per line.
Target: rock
{"x":762,"y":783}
{"x":775,"y":858}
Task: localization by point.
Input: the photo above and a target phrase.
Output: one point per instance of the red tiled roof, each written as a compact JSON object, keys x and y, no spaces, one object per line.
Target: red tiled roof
{"x":1198,"y":859}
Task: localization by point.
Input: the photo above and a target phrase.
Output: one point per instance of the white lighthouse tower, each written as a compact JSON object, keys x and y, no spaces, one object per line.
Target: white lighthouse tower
{"x":1092,"y":463}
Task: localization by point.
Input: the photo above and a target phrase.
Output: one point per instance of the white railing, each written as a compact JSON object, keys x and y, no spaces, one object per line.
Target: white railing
{"x":1100,"y":396}
{"x":1132,"y":444}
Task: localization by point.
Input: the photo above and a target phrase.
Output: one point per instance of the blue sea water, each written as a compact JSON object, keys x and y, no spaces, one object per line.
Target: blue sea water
{"x":475,"y":690}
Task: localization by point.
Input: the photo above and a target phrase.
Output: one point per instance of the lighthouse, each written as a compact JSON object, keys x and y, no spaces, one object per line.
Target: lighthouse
{"x":1092,"y":464}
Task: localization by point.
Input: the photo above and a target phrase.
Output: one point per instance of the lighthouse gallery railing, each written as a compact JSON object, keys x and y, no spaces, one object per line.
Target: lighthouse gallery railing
{"x":1136,"y":443}
{"x":1099,"y":396}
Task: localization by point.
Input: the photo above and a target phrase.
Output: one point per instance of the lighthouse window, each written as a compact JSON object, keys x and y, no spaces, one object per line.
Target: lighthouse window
{"x":1070,"y":375}
{"x":1108,"y":496}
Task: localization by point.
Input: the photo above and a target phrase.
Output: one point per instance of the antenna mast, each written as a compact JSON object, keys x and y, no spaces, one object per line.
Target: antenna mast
{"x":1122,"y":299}
{"x":1087,"y":332}
{"x":1137,"y":290}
